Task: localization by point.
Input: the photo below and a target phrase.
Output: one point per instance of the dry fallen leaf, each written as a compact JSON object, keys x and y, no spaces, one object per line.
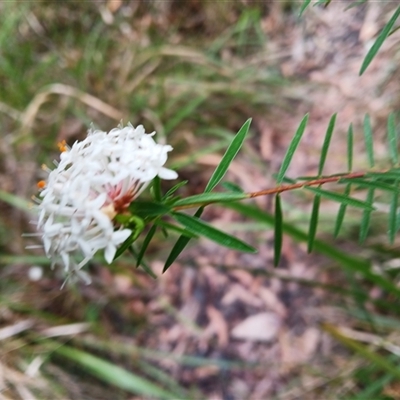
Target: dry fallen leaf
{"x":261,"y":327}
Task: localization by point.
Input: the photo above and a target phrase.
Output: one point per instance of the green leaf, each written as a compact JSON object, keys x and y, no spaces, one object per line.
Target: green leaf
{"x":325,"y":146}
{"x":174,"y":189}
{"x":112,"y":374}
{"x":137,"y":225}
{"x":350,"y":148}
{"x":180,"y":244}
{"x":392,"y":225}
{"x":392,"y":138}
{"x":204,"y":198}
{"x":392,"y":174}
{"x":148,"y":209}
{"x":379,"y":41}
{"x":228,"y":157}
{"x":278,"y":234}
{"x":341,"y":198}
{"x":366,"y":216}
{"x":175,"y":228}
{"x":313,"y":223}
{"x":143,"y":264}
{"x":369,"y":146}
{"x":347,"y":261}
{"x":342,"y":212}
{"x":195,"y":225}
{"x":145,"y":244}
{"x":305,"y":4}
{"x":157,"y":189}
{"x":360,"y":182}
{"x":292,"y":148}
{"x":216,"y":177}
{"x":232,"y":187}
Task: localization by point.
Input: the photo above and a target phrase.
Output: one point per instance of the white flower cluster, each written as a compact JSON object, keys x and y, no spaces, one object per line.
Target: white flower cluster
{"x":95,"y":180}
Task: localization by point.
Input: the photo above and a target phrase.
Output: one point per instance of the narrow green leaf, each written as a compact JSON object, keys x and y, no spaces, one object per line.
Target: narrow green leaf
{"x":199,"y":227}
{"x":143,"y":263}
{"x":228,"y":157}
{"x":137,"y":225}
{"x":347,"y":261}
{"x":327,"y":141}
{"x":366,"y":216}
{"x":379,"y":41}
{"x":232,"y":187}
{"x":341,"y":198}
{"x":146,"y":209}
{"x":392,"y":225}
{"x":350,"y":148}
{"x":342,"y":212}
{"x":175,"y":188}
{"x":200,"y":199}
{"x":145,"y":244}
{"x":157,"y":189}
{"x":375,"y":184}
{"x":175,"y":228}
{"x":303,"y":7}
{"x":216,"y":177}
{"x":369,"y":146}
{"x":278,"y":234}
{"x":112,"y":374}
{"x":313,"y":223}
{"x":180,"y":245}
{"x":392,"y":174}
{"x":292,"y":148}
{"x":392,"y":138}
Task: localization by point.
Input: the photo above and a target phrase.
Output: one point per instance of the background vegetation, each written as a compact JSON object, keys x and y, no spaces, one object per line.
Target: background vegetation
{"x":195,"y":71}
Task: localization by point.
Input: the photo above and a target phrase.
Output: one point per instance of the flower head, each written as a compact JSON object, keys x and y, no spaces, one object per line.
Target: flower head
{"x":95,"y":180}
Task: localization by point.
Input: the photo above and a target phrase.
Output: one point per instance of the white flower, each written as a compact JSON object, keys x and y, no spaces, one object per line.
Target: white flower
{"x":95,"y":180}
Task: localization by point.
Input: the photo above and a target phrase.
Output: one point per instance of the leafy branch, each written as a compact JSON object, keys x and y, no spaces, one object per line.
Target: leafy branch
{"x":170,"y":206}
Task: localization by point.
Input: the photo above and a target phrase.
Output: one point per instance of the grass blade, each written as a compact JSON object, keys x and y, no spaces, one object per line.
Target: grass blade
{"x":292,"y":148}
{"x":342,"y":198}
{"x":228,"y":157}
{"x":313,"y":223}
{"x":392,"y":139}
{"x":392,"y":223}
{"x":199,"y":227}
{"x":379,"y":41}
{"x":113,"y":374}
{"x":305,"y":4}
{"x":342,"y":212}
{"x":366,"y":352}
{"x":185,"y":111}
{"x":369,"y":146}
{"x":366,"y":217}
{"x":278,"y":230}
{"x":327,"y":141}
{"x":350,"y":148}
